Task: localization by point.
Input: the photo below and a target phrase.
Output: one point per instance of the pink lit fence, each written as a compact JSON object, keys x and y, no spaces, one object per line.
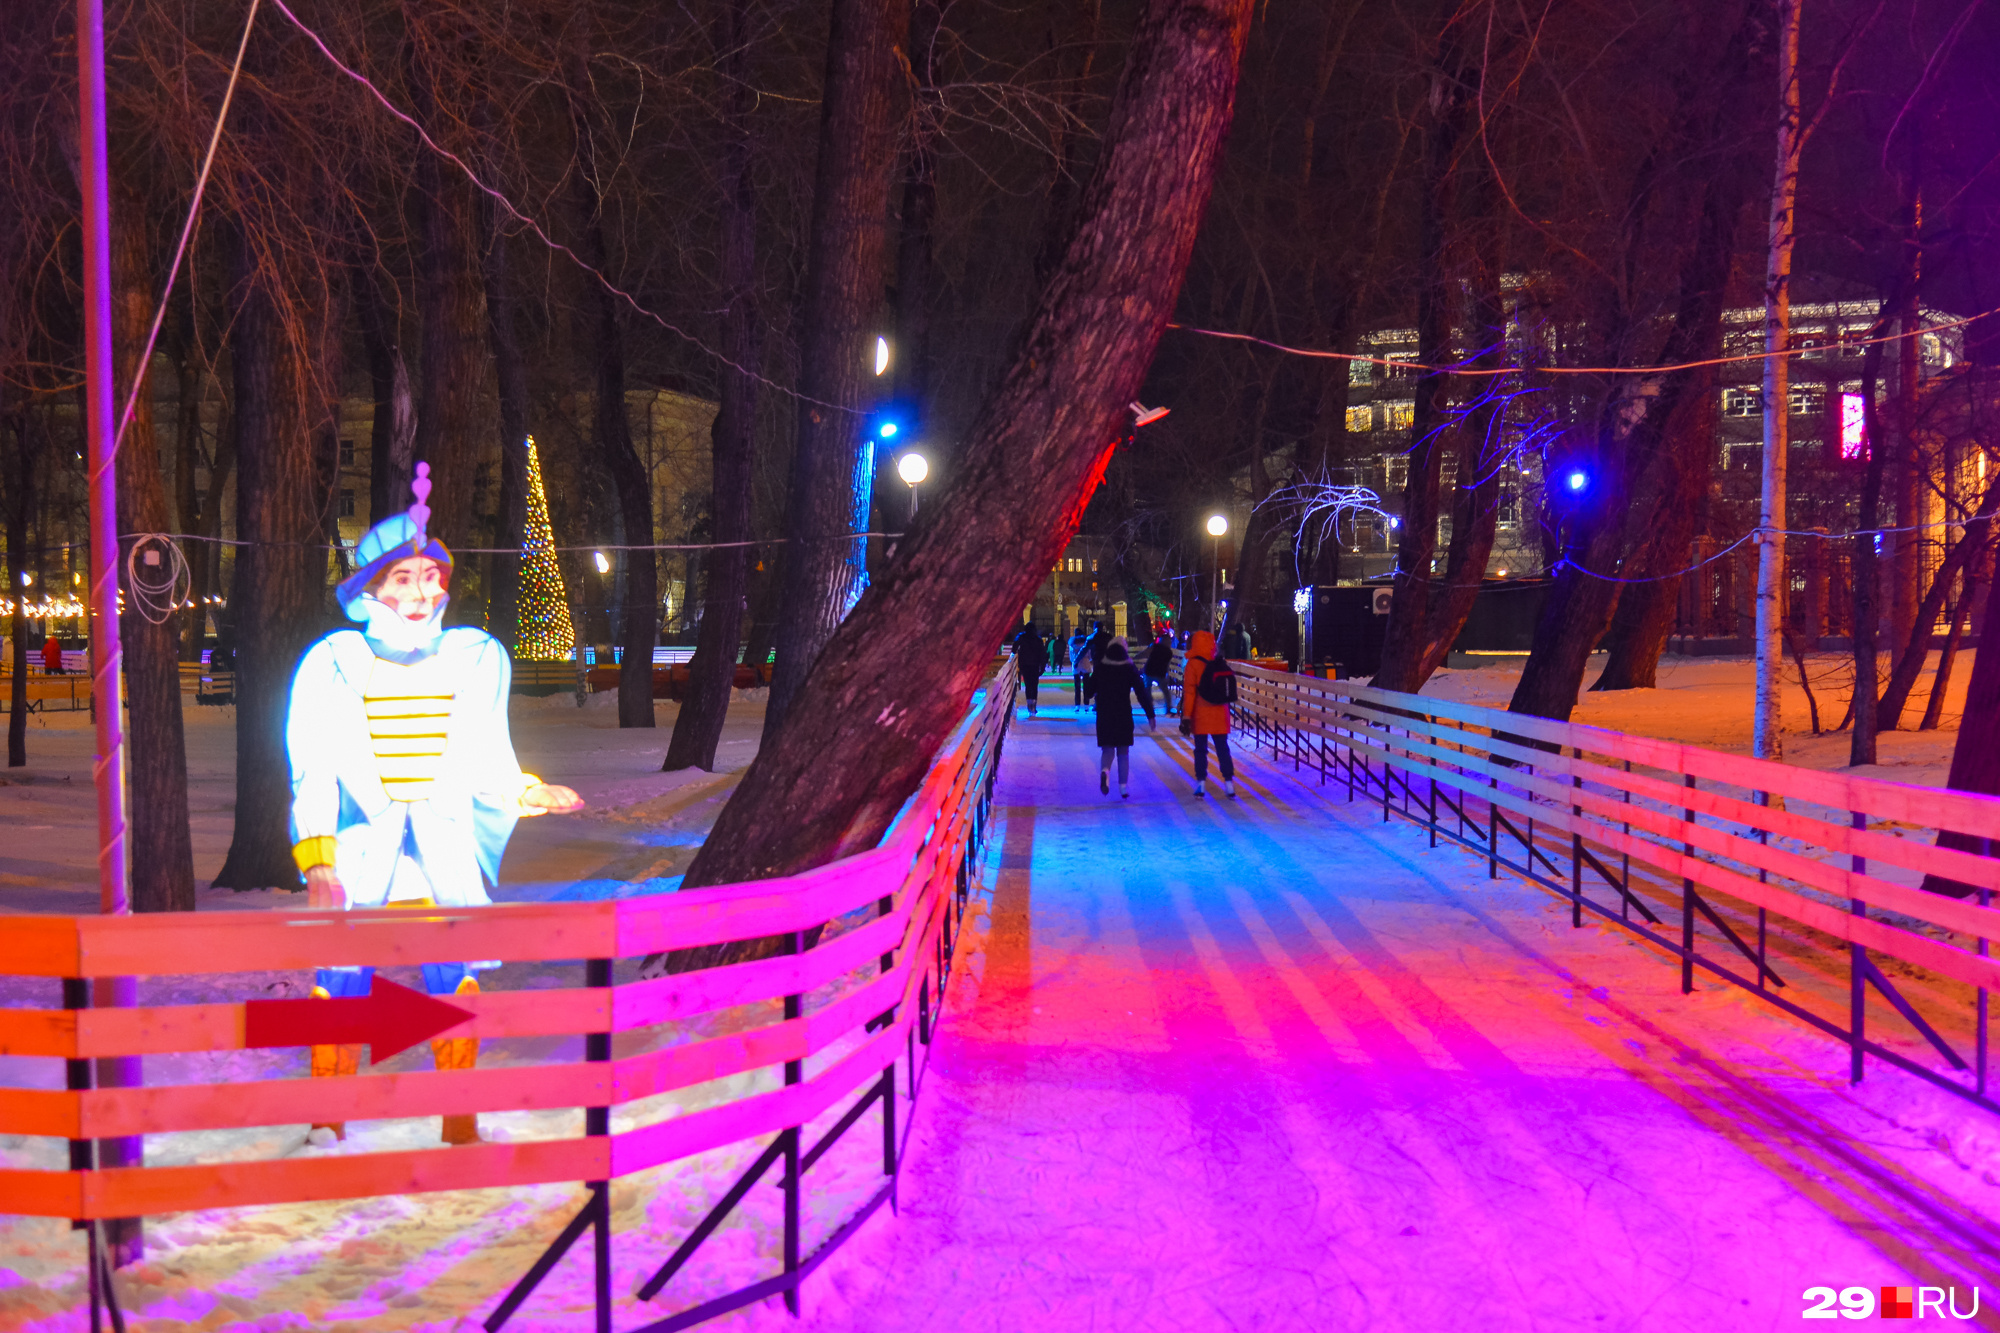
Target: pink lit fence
{"x":911,"y":891}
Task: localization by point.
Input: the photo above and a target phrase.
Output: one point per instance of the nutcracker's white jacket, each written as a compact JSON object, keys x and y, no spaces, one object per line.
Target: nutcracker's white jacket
{"x":455,"y":836}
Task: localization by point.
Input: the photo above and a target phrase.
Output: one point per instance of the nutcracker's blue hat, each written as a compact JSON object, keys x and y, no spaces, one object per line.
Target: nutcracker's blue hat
{"x":398,"y":537}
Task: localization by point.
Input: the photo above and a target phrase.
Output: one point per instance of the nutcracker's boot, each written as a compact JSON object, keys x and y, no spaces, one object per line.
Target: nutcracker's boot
{"x":329,"y":1061}
{"x":459,"y":1053}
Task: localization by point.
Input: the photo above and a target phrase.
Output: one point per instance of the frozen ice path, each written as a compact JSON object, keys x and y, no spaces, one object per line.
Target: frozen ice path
{"x":1271,"y":1064}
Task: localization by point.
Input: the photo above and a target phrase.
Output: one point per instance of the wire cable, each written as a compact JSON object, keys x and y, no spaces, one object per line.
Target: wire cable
{"x":139,"y":376}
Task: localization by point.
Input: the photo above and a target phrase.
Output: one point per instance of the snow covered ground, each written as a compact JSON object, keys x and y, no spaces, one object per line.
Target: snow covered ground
{"x":1254,"y":1064}
{"x":52,"y":865}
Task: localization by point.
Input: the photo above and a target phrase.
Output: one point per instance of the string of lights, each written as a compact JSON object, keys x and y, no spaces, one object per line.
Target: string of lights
{"x":1466,"y":369}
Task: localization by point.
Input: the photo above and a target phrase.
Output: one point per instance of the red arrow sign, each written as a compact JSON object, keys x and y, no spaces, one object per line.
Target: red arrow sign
{"x":390,"y":1018}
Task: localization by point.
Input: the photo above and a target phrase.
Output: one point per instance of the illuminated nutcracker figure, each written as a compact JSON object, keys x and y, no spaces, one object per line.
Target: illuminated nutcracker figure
{"x":405,"y":788}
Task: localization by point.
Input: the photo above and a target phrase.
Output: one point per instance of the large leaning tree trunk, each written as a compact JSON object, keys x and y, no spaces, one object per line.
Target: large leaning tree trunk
{"x":846,"y":257}
{"x":732,"y":436}
{"x":868,"y":720}
{"x":280,"y":584}
{"x":162,"y":851}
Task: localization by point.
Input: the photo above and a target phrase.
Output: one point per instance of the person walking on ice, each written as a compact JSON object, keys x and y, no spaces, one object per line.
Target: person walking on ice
{"x":1031,"y":659}
{"x":1114,"y":683}
{"x":405,"y":788}
{"x":1208,"y":687}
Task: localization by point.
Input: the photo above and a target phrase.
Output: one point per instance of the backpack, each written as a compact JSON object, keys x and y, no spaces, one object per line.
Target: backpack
{"x":1218,"y":682}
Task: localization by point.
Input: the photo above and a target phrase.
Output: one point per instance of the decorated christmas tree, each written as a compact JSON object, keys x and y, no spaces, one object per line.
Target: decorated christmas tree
{"x":546,"y":632}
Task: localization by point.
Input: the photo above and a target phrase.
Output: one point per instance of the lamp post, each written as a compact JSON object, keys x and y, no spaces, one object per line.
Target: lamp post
{"x":913,"y":467}
{"x":1217,"y":525}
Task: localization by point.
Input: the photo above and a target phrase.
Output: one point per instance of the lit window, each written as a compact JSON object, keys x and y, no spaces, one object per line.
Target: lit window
{"x":1806,"y":399}
{"x":1360,"y":419}
{"x":1359,"y":372}
{"x":1742,"y":402}
{"x":1853,"y":426}
{"x":1402,"y":413}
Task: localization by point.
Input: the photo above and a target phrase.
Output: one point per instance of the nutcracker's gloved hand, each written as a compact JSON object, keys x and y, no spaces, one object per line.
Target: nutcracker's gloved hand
{"x":545,"y":798}
{"x":323,"y":888}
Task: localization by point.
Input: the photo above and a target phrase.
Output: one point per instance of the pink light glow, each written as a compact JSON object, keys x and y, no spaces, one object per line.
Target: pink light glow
{"x":1853,"y":426}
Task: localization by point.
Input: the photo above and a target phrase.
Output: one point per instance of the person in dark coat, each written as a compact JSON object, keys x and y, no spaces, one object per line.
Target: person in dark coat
{"x":1113,"y":683}
{"x":1031,"y":659}
{"x":1159,"y":661}
{"x":1079,"y":663}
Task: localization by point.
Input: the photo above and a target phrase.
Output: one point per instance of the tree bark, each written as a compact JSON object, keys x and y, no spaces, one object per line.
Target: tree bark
{"x":1645,"y":614}
{"x":207,"y":560}
{"x":276,"y":604}
{"x":503,"y":612}
{"x":392,"y":436}
{"x":162,"y":852}
{"x":1978,"y":572}
{"x":1033,"y":456}
{"x":1643,"y":464}
{"x":20,"y":504}
{"x":453,"y":316}
{"x":611,"y":432}
{"x":1405,"y":637}
{"x":1975,"y":758}
{"x":916,"y":241}
{"x":832,"y":466}
{"x":732,"y":436}
{"x":1475,"y":503}
{"x":1915,"y":650}
{"x":192,"y":377}
{"x":1866,"y":562}
{"x":1767,"y":724}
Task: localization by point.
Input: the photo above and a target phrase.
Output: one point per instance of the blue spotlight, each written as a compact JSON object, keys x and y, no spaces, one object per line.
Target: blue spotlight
{"x":1577,"y":479}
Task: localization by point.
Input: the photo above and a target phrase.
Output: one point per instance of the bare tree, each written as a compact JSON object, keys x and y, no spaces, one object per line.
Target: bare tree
{"x":1035,"y":453}
{"x":860,"y":109}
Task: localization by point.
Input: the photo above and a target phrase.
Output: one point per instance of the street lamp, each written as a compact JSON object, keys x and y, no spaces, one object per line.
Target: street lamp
{"x":1217,"y":525}
{"x":881,"y":355}
{"x":913,"y":467}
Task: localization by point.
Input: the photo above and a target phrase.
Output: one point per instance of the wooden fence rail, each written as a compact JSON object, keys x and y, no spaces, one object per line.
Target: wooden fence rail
{"x":893,"y":914}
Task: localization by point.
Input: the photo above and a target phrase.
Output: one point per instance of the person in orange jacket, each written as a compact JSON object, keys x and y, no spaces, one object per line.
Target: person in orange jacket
{"x":1208,"y":720}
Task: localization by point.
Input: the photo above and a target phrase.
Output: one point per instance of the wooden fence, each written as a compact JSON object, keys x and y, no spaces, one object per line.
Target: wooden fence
{"x":911,"y":890}
{"x":1789,"y":882}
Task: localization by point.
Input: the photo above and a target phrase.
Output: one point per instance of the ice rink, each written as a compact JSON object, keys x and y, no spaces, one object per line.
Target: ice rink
{"x":1272,"y":1064}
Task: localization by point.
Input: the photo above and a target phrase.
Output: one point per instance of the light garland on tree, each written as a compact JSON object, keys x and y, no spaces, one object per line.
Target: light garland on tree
{"x":546,"y":634}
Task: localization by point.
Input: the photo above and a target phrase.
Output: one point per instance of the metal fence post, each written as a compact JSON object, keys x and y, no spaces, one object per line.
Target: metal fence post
{"x":1687,"y":902}
{"x":1576,"y":847}
{"x":1857,"y":959}
{"x":794,"y":1074}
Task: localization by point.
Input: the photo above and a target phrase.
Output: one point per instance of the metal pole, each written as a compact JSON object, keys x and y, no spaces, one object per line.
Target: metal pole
{"x":106,"y":657}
